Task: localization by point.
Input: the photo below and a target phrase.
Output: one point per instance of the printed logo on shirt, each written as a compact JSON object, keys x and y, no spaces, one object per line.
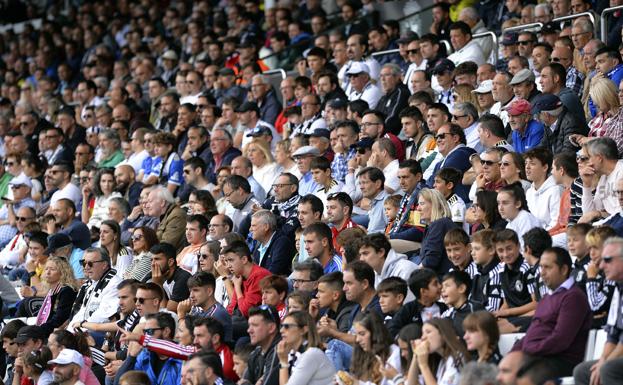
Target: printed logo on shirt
{"x":518,"y":286}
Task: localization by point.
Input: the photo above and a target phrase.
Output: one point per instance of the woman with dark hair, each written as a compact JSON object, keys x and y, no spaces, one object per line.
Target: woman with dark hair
{"x":143,"y":238}
{"x":95,"y":206}
{"x":440,"y":355}
{"x":513,"y":169}
{"x":35,"y":367}
{"x":62,"y":339}
{"x":482,"y":335}
{"x":110,"y":239}
{"x":513,"y":207}
{"x":34,"y":167}
{"x":201,"y":202}
{"x":301,"y":359}
{"x":184,"y":332}
{"x":484,"y":214}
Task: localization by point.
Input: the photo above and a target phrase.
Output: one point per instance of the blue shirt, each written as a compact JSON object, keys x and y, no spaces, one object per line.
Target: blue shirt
{"x":335,"y":264}
{"x":218,"y":312}
{"x":171,"y":170}
{"x":307,"y":184}
{"x":75,"y":260}
{"x":147,"y":165}
{"x":531,"y":138}
{"x":378,"y":220}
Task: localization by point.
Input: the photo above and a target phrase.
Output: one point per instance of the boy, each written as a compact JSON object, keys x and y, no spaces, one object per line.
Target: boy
{"x":241,"y":357}
{"x":486,"y":283}
{"x":514,"y":282}
{"x":321,"y":172}
{"x":392,"y":292}
{"x":297,"y":301}
{"x":536,"y":241}
{"x":446,"y":181}
{"x":424,"y":284}
{"x":274,"y":290}
{"x":456,"y":242}
{"x":576,"y":244}
{"x":455,"y":289}
{"x":391,"y":206}
{"x":331,"y":302}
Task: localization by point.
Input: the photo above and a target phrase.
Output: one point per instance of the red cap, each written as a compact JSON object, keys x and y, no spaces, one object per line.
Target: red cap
{"x":518,"y":107}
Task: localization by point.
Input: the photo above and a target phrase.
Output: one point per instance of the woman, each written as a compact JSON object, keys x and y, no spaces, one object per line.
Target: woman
{"x":264,"y":166}
{"x":34,"y":167}
{"x":62,"y":287}
{"x":201,"y":202}
{"x":513,"y":208}
{"x":482,"y":335}
{"x":301,"y":360}
{"x":36,"y":367}
{"x":95,"y":209}
{"x":609,"y":119}
{"x":222,"y":174}
{"x":143,"y":238}
{"x":439,"y":355}
{"x":373,"y":348}
{"x":283,"y":157}
{"x":208,"y":255}
{"x":435,"y":212}
{"x":484,"y":214}
{"x":513,"y":169}
{"x":463,"y":94}
{"x":110,"y":239}
{"x":597,"y":285}
{"x":184,"y":332}
{"x":62,"y":339}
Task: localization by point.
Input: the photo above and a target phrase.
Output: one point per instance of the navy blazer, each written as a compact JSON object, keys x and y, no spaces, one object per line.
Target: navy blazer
{"x":433,"y":251}
{"x":459,"y":159}
{"x":279,"y":254}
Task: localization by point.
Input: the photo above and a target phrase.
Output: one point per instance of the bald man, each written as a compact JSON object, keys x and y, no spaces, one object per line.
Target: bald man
{"x":125,"y":178}
{"x":575,"y":78}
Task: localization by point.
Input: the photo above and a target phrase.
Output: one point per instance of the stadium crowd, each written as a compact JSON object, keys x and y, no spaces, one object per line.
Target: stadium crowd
{"x":402,"y":198}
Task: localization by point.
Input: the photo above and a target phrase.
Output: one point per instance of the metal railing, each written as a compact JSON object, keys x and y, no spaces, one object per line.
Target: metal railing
{"x":386,"y":52}
{"x":448,"y":46}
{"x":562,"y":19}
{"x":523,"y":27}
{"x":604,"y":21}
{"x":495,"y":43}
{"x":276,"y":71}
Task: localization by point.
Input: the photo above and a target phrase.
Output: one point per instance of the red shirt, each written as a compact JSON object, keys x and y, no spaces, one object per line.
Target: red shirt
{"x":349,"y":224}
{"x":251,"y":292}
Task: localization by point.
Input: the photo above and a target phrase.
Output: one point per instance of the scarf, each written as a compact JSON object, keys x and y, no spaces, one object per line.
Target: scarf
{"x":287,"y":206}
{"x":405,"y":208}
{"x":46,"y":308}
{"x":87,"y":292}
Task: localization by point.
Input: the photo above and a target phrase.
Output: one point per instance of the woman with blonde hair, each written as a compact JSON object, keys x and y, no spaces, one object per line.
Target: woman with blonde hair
{"x":463,"y":94}
{"x":283,"y":157}
{"x":609,"y":120}
{"x":435,"y":213}
{"x":264,"y":166}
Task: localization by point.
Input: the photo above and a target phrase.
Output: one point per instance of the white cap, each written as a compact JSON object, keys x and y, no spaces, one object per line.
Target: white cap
{"x":68,"y":356}
{"x":357,"y":68}
{"x":484,"y":88}
{"x":21,"y":179}
{"x":306,"y":150}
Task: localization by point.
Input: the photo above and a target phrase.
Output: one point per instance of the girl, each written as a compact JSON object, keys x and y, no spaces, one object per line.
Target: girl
{"x":110,"y":239}
{"x":301,"y":361}
{"x":36,"y":366}
{"x":482,"y":335}
{"x":513,"y":169}
{"x":513,"y":207}
{"x":95,"y":209}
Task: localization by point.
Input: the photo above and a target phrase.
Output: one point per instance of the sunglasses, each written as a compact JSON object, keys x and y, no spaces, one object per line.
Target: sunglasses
{"x":442,"y":135}
{"x":607,"y":258}
{"x":90,"y":263}
{"x":505,"y":164}
{"x":142,"y":300}
{"x":203,"y":256}
{"x":23,"y":219}
{"x":582,"y":158}
{"x":150,"y":331}
{"x":487,"y":162}
{"x":361,"y":151}
{"x":527,"y":42}
{"x":414,"y":51}
{"x":137,"y":237}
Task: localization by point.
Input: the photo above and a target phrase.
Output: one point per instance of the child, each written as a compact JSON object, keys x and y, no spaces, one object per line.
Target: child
{"x":321,"y":172}
{"x":424,"y":284}
{"x":241,"y":357}
{"x":391,"y":206}
{"x":486,"y":283}
{"x":455,"y":290}
{"x":446,"y":181}
{"x":598,"y":289}
{"x":330,"y":299}
{"x":298,"y":301}
{"x":535,"y":241}
{"x":514,"y":282}
{"x":392,"y":292}
{"x":576,"y":244}
{"x":274,"y":290}
{"x":456,"y":242}
{"x":134,"y":377}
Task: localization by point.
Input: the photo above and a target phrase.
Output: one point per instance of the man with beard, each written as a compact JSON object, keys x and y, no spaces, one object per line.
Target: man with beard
{"x":125,"y":178}
{"x":67,"y":367}
{"x":169,"y":103}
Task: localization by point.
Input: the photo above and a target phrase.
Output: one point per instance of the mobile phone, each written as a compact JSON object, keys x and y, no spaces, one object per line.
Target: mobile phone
{"x":6,"y":199}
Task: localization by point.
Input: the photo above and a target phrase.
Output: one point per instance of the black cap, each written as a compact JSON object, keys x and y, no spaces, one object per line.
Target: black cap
{"x":546,"y":102}
{"x":407,"y":37}
{"x":363,"y":143}
{"x":259,"y":131}
{"x":226,"y":72}
{"x":248,"y":106}
{"x":510,"y":38}
{"x":56,"y":241}
{"x":550,"y":27}
{"x":67,"y":110}
{"x":28,"y":332}
{"x":321,"y":133}
{"x":338,"y":104}
{"x":317,"y":51}
{"x":443,"y":65}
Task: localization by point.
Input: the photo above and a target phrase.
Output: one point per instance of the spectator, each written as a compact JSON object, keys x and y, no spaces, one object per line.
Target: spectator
{"x":527,"y":132}
{"x":143,"y":239}
{"x":568,"y":130}
{"x":274,"y":250}
{"x":166,"y":273}
{"x":513,"y":208}
{"x":196,"y":231}
{"x":95,"y":209}
{"x":161,"y":205}
{"x":126,"y":184}
{"x":544,"y":195}
{"x":223,"y":152}
{"x":482,"y":335}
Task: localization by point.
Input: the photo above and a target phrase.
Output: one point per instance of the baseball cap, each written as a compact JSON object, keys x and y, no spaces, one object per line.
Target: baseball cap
{"x":56,"y":241}
{"x":550,"y":28}
{"x":509,"y":39}
{"x":522,"y":76}
{"x":226,"y":72}
{"x":169,"y":55}
{"x":259,"y":131}
{"x":321,"y":133}
{"x":338,"y":104}
{"x":358,"y":67}
{"x":546,"y":102}
{"x":68,"y":356}
{"x":484,"y":87}
{"x":248,"y":106}
{"x":364,"y":143}
{"x":20,"y":180}
{"x":27,"y":332}
{"x":518,"y":107}
{"x":443,"y":65}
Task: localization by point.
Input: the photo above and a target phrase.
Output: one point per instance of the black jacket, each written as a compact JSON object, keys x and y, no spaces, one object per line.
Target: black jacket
{"x":264,"y":365}
{"x":278,"y":256}
{"x":566,"y":125}
{"x":408,"y":314}
{"x":391,"y":104}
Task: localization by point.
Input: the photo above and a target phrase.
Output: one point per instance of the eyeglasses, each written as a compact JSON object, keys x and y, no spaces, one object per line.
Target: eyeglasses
{"x":505,"y":164}
{"x":579,"y":34}
{"x":582,"y":158}
{"x":282,"y":185}
{"x":413,"y":51}
{"x":526,"y":42}
{"x":203,"y":256}
{"x":16,"y":186}
{"x":211,"y":225}
{"x":24,"y":219}
{"x":558,"y":59}
{"x":137,"y":237}
{"x":150,"y":331}
{"x":85,"y":179}
{"x":227,"y":195}
{"x":142,"y":300}
{"x":90,"y":263}
{"x":361,"y":151}
{"x":457,"y":117}
{"x":289,"y":326}
{"x":442,"y":135}
{"x":487,"y":162}
{"x":296,"y":281}
{"x":201,"y":106}
{"x":618,"y":192}
{"x":369,"y":124}
{"x":10,"y":164}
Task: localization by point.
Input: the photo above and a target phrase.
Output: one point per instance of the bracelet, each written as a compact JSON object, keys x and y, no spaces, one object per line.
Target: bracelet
{"x":82,"y":323}
{"x":282,"y":366}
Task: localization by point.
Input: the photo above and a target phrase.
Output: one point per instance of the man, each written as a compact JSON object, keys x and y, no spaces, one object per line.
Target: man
{"x":465,"y":48}
{"x":347,"y":133}
{"x":9,"y":256}
{"x":502,"y":94}
{"x":384,"y":157}
{"x":56,"y":151}
{"x":286,"y":197}
{"x":194,"y":84}
{"x":561,"y":321}
{"x":395,"y":97}
{"x":607,"y":370}
{"x":166,"y":273}
{"x":264,"y":95}
{"x":311,"y":116}
{"x":125,"y":178}
{"x":469,"y":16}
{"x":524,"y":86}
{"x":485,"y":72}
{"x":590,"y":63}
{"x":198,"y":144}
{"x":74,"y":133}
{"x":98,"y":297}
{"x":303,"y":157}
{"x":540,"y":58}
{"x":491,"y":132}
{"x":220,"y":225}
{"x":360,"y":86}
{"x":563,"y":127}
{"x":205,"y":368}
{"x":543,"y":13}
{"x":310,"y":210}
{"x":318,"y":240}
{"x":328,"y":87}
{"x":339,"y":209}
{"x":604,"y":160}
{"x":196,"y":232}
{"x":356,"y":47}
{"x":223,"y":152}
{"x":552,"y":81}
{"x":417,"y":65}
{"x":510,"y":363}
{"x":371,"y":182}
{"x":305,"y":276}
{"x":169,"y":104}
{"x":274,"y":250}
{"x":161,"y":204}
{"x":465,"y":115}
{"x":194,"y":176}
{"x":543,"y":196}
{"x":419,"y":142}
{"x":110,"y":144}
{"x":410,"y":178}
{"x":237,"y":191}
{"x":242,"y":166}
{"x":527,"y":132}
{"x":444,"y":74}
{"x":451,"y":145}
{"x":575,"y":79}
{"x":83,"y":156}
{"x":250,"y":118}
{"x":608,"y":63}
{"x":264,"y":334}
{"x":64,"y":211}
{"x":330,"y":297}
{"x":509,"y":51}
{"x":67,"y":367}
{"x":526,"y":41}
{"x":376,"y":251}
{"x":484,"y":96}
{"x":373,"y":127}
{"x":489,"y":178}
{"x":379,"y":40}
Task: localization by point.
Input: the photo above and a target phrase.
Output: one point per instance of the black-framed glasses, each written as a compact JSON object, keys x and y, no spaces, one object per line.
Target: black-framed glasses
{"x":442,"y":135}
{"x":413,"y":51}
{"x":556,"y":59}
{"x":457,"y":117}
{"x":487,"y":162}
{"x":211,"y":225}
{"x":295,"y":280}
{"x":150,"y":331}
{"x":141,"y":300}
{"x":16,"y":186}
{"x":90,"y":263}
{"x":282,"y":185}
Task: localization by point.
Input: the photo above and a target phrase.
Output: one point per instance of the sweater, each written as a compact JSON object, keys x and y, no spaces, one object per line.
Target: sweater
{"x":313,"y":367}
{"x":251,"y":292}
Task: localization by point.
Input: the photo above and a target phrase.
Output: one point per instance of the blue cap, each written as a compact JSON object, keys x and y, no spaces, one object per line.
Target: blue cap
{"x":321,"y":133}
{"x":546,"y":102}
{"x":363,"y":143}
{"x":259,"y":131}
